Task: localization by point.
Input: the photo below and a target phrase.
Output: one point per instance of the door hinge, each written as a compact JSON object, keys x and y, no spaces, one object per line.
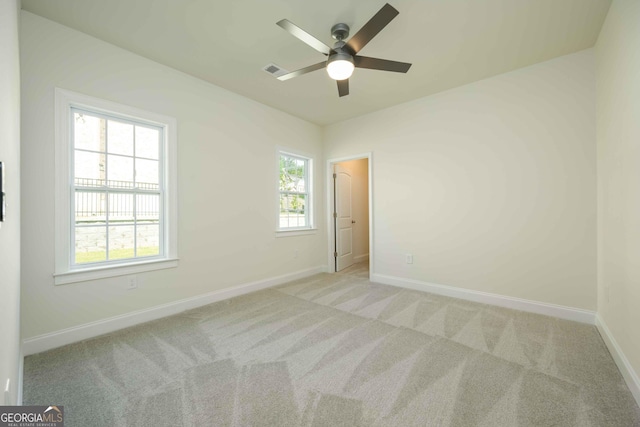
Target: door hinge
{"x":335,"y":176}
{"x":335,"y":214}
{"x":335,"y":254}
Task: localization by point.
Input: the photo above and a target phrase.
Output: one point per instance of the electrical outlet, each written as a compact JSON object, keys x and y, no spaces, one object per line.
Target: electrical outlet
{"x":132,"y":283}
{"x":409,"y":259}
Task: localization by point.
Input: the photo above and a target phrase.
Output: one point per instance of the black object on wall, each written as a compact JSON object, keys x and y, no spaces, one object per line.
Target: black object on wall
{"x":2,"y":196}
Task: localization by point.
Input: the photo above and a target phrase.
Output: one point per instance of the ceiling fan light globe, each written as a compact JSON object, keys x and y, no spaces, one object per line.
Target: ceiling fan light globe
{"x":340,"y":68}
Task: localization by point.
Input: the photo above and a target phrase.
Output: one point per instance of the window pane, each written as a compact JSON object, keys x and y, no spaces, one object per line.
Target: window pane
{"x":292,"y":220}
{"x":292,"y":174}
{"x":120,"y":208}
{"x":90,"y":244}
{"x":147,"y":174}
{"x":120,"y":138}
{"x":89,"y":132}
{"x":121,"y":242}
{"x":292,"y":210}
{"x":148,"y":207}
{"x":89,"y":168}
{"x":300,"y":185}
{"x":147,"y":142}
{"x":148,"y":240}
{"x":120,"y":171}
{"x":90,"y":207}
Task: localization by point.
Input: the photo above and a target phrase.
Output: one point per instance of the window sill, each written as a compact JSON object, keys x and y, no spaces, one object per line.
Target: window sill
{"x":296,"y":232}
{"x":95,"y":273}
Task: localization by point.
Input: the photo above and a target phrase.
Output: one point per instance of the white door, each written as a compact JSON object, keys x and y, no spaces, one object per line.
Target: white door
{"x":343,"y":218}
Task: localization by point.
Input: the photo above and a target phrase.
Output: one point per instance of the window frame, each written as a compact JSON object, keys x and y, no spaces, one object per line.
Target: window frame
{"x":66,"y":271}
{"x":310,"y":228}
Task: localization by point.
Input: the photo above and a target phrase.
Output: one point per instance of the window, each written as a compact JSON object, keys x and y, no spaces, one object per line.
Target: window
{"x":115,"y":172}
{"x":294,"y":192}
{"x":117,"y":195}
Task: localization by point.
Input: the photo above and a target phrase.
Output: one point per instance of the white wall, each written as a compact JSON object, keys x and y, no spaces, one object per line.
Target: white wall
{"x":360,"y":206}
{"x":618,"y":135}
{"x":227,"y":179}
{"x":10,"y":229}
{"x":491,"y":186}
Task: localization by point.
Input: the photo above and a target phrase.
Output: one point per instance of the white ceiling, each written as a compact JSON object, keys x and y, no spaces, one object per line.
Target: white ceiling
{"x":449,"y":42}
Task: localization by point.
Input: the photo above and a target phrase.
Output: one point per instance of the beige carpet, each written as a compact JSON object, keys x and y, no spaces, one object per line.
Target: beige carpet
{"x":337,"y":350}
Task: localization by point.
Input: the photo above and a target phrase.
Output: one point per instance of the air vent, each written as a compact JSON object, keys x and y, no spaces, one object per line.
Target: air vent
{"x":274,"y":70}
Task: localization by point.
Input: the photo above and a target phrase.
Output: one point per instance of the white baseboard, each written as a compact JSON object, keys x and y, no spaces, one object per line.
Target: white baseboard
{"x":563,"y":312}
{"x":627,"y":371}
{"x":361,"y":258}
{"x":62,"y":337}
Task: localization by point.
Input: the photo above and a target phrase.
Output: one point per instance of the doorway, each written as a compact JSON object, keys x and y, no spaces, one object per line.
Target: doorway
{"x":349,"y":205}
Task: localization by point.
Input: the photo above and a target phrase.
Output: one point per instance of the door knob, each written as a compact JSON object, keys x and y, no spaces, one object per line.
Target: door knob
{"x":353,"y":222}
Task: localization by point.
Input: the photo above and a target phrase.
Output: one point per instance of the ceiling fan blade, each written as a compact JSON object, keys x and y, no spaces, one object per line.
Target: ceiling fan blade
{"x":343,"y":87}
{"x":373,"y":27}
{"x":302,"y":71}
{"x":304,"y":36}
{"x":381,"y":64}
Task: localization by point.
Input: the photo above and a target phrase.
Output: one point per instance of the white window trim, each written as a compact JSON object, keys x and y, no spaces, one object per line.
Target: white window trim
{"x":295,"y":232}
{"x":298,"y":231}
{"x":63,"y":274}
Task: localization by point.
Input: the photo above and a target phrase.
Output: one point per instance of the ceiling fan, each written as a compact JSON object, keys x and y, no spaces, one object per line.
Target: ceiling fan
{"x":343,"y":56}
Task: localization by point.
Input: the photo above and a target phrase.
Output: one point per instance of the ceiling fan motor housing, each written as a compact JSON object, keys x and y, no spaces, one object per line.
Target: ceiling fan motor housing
{"x":340,"y":31}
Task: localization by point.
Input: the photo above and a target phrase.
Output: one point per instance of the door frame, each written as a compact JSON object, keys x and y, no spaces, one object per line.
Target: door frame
{"x":329,"y":204}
